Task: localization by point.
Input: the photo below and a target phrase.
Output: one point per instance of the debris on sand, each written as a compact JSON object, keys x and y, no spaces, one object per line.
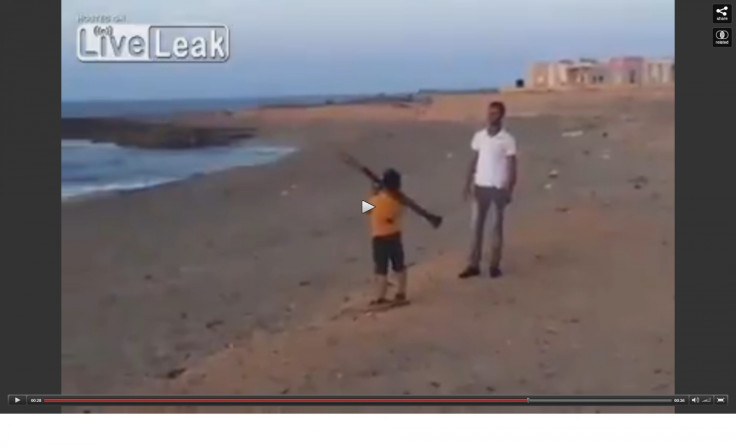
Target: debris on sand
{"x":606,"y":156}
{"x":304,"y":283}
{"x":284,"y":193}
{"x":490,"y":389}
{"x":548,"y":186}
{"x":450,"y":155}
{"x":174,"y":373}
{"x":639,"y":181}
{"x":627,"y":118}
{"x":605,"y":135}
{"x":562,"y":209}
{"x":213,"y":324}
{"x":572,"y":133}
{"x":551,"y":330}
{"x":286,"y":390}
{"x":554,"y":173}
{"x":435,"y":384}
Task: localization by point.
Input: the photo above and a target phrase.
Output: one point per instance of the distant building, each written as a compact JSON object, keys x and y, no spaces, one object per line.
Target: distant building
{"x":628,"y":70}
{"x":659,"y":71}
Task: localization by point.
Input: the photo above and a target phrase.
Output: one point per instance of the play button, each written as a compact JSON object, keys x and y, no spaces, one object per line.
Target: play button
{"x":365,"y":206}
{"x":16,"y":400}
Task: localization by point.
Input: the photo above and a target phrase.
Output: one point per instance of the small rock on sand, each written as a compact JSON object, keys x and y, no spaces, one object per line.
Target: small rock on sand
{"x":572,"y":133}
{"x":554,"y":173}
{"x":214,"y":323}
{"x":174,"y":373}
{"x":551,"y":330}
{"x":548,"y":186}
{"x":435,"y":384}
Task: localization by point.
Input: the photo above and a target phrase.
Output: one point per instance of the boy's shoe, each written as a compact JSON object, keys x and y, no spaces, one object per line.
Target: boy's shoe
{"x":469,"y":272}
{"x":379,"y":301}
{"x":400,"y":298}
{"x":496,"y":272}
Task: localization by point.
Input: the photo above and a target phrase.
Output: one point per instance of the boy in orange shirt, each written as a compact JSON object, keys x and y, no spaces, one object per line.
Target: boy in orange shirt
{"x":385,"y":220}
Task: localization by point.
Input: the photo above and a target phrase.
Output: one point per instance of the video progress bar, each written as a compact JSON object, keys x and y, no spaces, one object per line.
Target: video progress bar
{"x":354,"y":400}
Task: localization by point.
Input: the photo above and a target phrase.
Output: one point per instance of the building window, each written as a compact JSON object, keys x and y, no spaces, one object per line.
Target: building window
{"x":632,"y":77}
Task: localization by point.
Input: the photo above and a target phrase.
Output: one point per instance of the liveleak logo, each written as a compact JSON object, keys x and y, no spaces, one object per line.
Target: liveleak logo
{"x":153,"y":43}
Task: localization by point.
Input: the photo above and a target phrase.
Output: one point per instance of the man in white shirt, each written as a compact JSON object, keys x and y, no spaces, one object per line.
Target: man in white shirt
{"x":491,"y":179}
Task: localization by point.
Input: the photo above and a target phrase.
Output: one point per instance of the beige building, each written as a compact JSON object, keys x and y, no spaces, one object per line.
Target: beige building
{"x":548,"y":74}
{"x":659,"y":71}
{"x":629,"y":70}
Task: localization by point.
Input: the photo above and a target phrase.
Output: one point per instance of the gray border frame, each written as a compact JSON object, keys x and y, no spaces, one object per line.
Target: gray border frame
{"x":30,"y":239}
{"x":705,"y":280}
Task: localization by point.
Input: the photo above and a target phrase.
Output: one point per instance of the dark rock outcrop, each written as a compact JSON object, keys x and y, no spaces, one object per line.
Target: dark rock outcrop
{"x":150,"y":134}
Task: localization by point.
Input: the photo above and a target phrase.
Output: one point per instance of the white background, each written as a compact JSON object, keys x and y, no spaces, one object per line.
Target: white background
{"x":592,"y":430}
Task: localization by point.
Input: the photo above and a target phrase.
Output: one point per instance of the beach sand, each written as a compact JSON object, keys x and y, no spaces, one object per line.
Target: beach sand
{"x":247,"y":281}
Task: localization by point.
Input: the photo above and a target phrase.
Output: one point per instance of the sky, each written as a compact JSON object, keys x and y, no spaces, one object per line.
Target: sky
{"x":303,"y":47}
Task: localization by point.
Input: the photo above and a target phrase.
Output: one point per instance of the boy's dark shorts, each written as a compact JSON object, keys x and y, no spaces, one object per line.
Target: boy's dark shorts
{"x":388,"y":249}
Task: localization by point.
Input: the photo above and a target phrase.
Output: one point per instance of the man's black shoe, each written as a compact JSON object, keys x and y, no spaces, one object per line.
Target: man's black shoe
{"x":496,"y":272}
{"x":469,"y":272}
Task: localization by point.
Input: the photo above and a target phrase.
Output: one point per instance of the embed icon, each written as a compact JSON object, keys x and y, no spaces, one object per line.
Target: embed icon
{"x":722,"y":37}
{"x":722,"y":13}
{"x":152,"y":43}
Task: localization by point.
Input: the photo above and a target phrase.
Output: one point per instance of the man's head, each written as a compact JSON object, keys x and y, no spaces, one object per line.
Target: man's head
{"x":496,"y":112}
{"x":391,"y":180}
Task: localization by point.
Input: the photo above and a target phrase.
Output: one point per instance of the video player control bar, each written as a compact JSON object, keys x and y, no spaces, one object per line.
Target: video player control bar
{"x":706,"y":399}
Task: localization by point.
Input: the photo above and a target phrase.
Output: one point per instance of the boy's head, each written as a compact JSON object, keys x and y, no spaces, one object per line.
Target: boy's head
{"x":391,"y":180}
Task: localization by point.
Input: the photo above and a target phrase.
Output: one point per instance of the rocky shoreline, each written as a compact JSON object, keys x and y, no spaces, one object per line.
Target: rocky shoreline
{"x":152,"y":134}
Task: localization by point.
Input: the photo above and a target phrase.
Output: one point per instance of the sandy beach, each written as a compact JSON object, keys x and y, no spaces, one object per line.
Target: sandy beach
{"x":249,"y":281}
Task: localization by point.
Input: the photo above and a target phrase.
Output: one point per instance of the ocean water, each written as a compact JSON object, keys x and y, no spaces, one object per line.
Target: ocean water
{"x":89,"y":168}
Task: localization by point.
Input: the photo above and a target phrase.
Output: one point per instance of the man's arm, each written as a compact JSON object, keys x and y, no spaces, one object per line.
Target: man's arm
{"x":468,"y":186}
{"x":470,"y":173}
{"x":512,"y":167}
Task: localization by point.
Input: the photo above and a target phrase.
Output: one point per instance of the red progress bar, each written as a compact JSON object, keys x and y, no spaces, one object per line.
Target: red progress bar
{"x":284,"y":400}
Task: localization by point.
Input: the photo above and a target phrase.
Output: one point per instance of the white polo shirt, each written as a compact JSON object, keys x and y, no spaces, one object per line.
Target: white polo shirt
{"x":493,"y":157}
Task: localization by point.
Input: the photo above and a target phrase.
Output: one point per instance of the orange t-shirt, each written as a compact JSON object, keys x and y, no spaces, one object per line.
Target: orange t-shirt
{"x":386,"y":216}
